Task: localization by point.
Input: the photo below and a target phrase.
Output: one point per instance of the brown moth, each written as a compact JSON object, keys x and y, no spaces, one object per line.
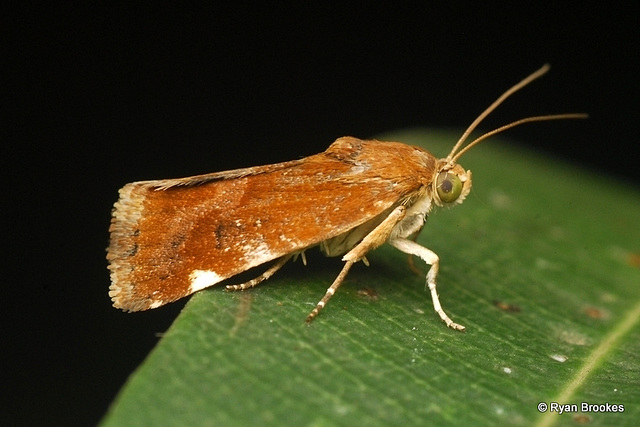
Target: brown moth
{"x":173,"y":237}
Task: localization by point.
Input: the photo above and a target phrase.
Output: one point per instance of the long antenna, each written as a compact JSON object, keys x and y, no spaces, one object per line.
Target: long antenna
{"x":514,"y":124}
{"x":453,"y":156}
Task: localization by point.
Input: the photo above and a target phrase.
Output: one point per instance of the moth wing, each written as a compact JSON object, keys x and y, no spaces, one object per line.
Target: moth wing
{"x":171,"y":238}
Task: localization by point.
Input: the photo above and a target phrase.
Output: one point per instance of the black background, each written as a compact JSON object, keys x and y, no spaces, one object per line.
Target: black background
{"x":98,"y":96}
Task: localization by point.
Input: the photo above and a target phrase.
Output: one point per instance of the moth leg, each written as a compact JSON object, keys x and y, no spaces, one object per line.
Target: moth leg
{"x":332,"y":290}
{"x":261,"y":278}
{"x":375,"y":238}
{"x":412,"y":248}
{"x":412,"y":265}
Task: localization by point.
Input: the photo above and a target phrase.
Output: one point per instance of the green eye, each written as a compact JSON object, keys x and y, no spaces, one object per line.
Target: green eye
{"x":449,"y":187}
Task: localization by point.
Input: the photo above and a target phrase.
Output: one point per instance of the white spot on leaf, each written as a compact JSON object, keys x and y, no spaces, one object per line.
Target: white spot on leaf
{"x":559,"y":358}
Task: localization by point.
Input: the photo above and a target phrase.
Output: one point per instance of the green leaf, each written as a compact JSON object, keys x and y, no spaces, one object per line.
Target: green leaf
{"x":540,"y":263}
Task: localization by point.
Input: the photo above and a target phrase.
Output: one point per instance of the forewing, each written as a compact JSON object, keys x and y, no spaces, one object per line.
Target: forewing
{"x":224,"y":223}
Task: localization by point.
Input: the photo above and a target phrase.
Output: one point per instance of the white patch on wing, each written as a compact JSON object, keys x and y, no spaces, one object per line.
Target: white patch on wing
{"x":201,"y":279}
{"x":259,"y":254}
{"x":156,"y":304}
{"x":359,"y":168}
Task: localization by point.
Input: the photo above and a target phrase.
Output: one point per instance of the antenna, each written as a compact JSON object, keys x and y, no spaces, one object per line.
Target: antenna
{"x":453,"y":156}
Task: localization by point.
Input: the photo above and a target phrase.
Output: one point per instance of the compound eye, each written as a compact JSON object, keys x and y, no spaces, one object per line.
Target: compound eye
{"x":448,"y":186}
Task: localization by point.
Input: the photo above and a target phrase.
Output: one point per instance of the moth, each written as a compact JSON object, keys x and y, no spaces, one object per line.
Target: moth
{"x":173,"y":237}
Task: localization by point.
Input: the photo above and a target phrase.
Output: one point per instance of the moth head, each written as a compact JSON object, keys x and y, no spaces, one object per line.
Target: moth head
{"x":451,"y":184}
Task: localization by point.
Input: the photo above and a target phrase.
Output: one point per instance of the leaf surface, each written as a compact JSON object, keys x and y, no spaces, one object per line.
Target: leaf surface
{"x":541,"y":264}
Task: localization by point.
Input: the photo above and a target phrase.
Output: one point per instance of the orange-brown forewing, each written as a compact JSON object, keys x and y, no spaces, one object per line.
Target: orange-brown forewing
{"x":225,"y":223}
